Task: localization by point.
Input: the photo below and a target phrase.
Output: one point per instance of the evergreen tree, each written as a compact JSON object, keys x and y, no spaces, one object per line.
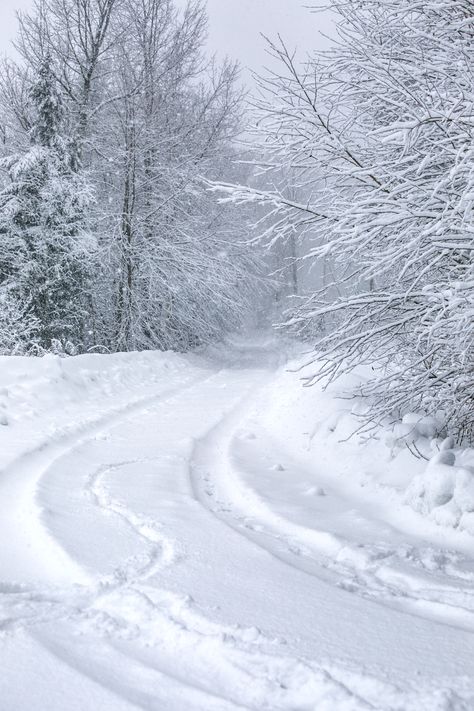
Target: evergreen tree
{"x":47,"y":251}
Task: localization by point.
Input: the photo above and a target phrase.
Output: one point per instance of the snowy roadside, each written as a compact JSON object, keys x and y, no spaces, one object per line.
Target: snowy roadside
{"x":52,"y":399}
{"x":316,"y":495}
{"x":47,"y":400}
{"x":44,"y":399}
{"x":182,"y":539}
{"x":402,"y":468}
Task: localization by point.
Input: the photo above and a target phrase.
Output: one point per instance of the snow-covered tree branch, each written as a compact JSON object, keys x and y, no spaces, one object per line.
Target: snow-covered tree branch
{"x":378,"y":135}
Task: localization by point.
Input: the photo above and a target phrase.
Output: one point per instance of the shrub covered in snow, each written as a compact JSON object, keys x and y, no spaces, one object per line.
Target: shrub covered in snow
{"x":445,"y":490}
{"x":378,"y":137}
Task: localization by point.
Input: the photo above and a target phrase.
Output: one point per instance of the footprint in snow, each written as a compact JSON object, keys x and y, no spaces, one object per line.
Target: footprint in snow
{"x":315,"y":491}
{"x":248,"y":435}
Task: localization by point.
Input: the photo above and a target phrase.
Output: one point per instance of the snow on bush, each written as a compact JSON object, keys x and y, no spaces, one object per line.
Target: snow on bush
{"x":414,"y":430}
{"x":445,"y":491}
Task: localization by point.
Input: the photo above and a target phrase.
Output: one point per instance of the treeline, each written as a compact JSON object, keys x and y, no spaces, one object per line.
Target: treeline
{"x":375,"y":139}
{"x":110,"y":119}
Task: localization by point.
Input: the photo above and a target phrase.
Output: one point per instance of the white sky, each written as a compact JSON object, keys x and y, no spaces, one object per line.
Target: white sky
{"x":8,"y":21}
{"x":235,"y":26}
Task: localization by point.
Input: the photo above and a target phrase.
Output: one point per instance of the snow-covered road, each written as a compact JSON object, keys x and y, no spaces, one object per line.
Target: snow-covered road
{"x":182,"y":549}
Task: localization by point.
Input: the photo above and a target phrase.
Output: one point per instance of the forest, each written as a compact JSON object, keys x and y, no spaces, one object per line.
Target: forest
{"x":110,"y":119}
{"x":236,"y":356}
{"x":149,"y":202}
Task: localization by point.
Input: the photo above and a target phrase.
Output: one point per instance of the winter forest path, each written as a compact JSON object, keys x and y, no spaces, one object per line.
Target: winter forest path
{"x":180,"y":554}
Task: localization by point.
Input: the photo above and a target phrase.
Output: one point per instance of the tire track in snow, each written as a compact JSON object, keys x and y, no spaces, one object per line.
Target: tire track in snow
{"x":162,"y":549}
{"x":209,"y":465}
{"x":220,"y":489}
{"x":153,"y":638}
{"x":126,"y":610}
{"x":22,"y":604}
{"x":122,"y":606}
{"x":150,"y":613}
{"x":110,"y":607}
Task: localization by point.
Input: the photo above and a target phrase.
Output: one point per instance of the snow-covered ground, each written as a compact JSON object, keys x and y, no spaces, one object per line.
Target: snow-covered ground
{"x":185,"y":533}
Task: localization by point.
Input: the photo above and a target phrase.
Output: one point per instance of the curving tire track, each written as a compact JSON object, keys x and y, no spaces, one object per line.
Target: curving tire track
{"x":219,"y":487}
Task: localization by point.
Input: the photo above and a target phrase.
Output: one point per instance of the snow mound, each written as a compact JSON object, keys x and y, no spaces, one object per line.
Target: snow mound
{"x":444,"y":491}
{"x":42,"y":398}
{"x":414,"y":429}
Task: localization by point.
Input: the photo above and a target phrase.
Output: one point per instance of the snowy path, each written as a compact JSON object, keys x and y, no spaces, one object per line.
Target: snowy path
{"x":179,"y":553}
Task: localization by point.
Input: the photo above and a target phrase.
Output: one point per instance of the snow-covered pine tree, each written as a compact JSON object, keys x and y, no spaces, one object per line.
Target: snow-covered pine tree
{"x":47,"y":250}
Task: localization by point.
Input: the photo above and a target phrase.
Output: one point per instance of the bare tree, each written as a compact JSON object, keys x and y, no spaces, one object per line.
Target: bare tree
{"x":379,"y":135}
{"x":174,"y":122}
{"x":77,"y":36}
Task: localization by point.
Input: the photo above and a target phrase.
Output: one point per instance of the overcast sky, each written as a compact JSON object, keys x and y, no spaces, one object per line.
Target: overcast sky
{"x":8,"y":21}
{"x":235,"y":26}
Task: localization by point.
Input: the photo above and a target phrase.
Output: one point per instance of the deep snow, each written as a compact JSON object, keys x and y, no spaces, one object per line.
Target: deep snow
{"x":197,"y":532}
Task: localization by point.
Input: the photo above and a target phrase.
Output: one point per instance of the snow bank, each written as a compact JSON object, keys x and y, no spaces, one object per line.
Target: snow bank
{"x":413,"y":428}
{"x":41,"y":398}
{"x":445,"y":491}
{"x":385,"y":468}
